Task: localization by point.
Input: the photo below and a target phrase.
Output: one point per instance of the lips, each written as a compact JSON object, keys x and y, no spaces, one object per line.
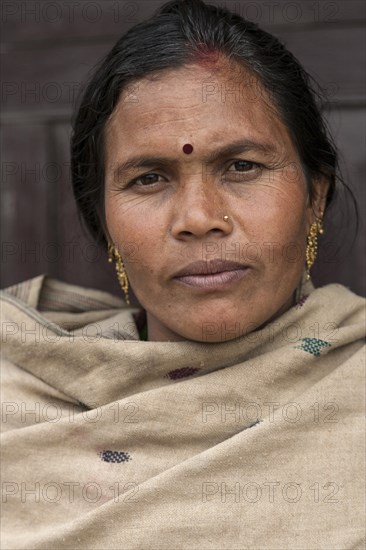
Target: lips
{"x":211,"y":276}
{"x":209,"y":268}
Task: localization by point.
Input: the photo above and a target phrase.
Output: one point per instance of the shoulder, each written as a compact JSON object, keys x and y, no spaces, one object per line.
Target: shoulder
{"x":338,"y":301}
{"x":45,"y":293}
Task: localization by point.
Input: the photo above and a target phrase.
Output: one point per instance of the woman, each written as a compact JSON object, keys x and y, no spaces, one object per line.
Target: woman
{"x":201,"y":161}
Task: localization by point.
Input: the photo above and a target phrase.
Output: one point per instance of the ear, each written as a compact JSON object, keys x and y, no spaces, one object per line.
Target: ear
{"x":320,"y":188}
{"x":106,"y":234}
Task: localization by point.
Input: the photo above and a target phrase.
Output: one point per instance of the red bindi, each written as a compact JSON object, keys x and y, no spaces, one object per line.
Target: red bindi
{"x":187,"y":148}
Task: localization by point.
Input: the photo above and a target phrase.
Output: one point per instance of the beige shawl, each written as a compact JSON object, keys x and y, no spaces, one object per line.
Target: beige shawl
{"x":114,"y":443}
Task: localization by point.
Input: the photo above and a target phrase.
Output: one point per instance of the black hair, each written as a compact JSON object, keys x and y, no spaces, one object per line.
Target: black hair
{"x":180,"y":33}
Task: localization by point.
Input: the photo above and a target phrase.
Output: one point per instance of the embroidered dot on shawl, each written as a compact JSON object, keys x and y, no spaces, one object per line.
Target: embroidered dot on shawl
{"x":115,"y":456}
{"x":302,"y":301}
{"x":313,"y":345}
{"x":181,"y":373}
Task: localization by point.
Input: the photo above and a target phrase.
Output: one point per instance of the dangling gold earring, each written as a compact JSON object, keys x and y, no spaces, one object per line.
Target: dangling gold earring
{"x":113,"y":254}
{"x":312,"y":244}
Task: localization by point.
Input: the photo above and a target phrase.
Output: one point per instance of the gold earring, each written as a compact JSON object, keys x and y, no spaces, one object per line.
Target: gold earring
{"x":113,"y":254}
{"x":312,"y":244}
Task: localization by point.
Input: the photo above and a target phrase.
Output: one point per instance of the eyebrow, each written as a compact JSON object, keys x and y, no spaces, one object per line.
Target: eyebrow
{"x":233,"y":148}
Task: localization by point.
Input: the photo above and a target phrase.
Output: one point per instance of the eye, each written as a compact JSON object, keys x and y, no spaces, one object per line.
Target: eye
{"x":244,"y":166}
{"x":243,"y":170}
{"x":145,"y":181}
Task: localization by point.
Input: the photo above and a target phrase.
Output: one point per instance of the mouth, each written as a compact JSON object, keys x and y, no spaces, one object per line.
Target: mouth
{"x":214,"y":275}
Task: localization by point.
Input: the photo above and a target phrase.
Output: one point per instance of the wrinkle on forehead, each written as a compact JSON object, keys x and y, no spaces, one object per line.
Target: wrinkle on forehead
{"x":218,"y":72}
{"x":170,"y":105}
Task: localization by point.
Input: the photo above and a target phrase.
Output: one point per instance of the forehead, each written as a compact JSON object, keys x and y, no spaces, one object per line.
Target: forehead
{"x":212,"y":100}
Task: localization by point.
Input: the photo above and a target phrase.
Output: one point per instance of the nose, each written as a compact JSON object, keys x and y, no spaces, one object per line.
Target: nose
{"x":199,"y":211}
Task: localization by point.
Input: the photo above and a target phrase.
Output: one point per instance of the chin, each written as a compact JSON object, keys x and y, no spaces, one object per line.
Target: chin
{"x":212,"y":331}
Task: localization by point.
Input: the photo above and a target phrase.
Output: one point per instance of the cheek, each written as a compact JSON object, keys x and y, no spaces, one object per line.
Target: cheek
{"x":285,"y":226}
{"x":284,"y":207}
{"x":127,"y":221}
{"x":277,"y":221}
{"x":139,"y":241}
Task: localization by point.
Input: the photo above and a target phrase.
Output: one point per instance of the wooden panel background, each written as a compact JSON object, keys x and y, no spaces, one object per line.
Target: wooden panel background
{"x":49,"y":48}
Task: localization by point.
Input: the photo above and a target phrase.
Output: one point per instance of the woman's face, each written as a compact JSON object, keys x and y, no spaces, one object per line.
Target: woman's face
{"x":165,"y":209}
